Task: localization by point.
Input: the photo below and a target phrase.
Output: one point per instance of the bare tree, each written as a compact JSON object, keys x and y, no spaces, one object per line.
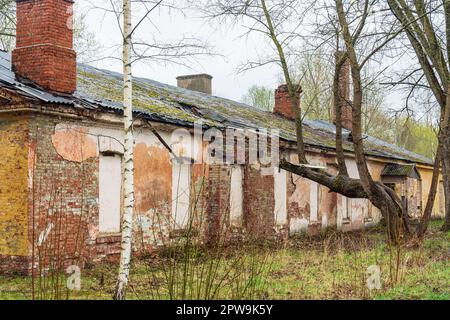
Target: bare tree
{"x":427,"y":27}
{"x":7,"y":24}
{"x":85,"y":42}
{"x":381,"y":196}
{"x":367,"y":31}
{"x":316,"y":76}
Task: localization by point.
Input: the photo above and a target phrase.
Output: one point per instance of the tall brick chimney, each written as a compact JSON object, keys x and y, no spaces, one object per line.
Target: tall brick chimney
{"x":44,"y":44}
{"x":196,"y":82}
{"x":283,"y":102}
{"x":344,"y":93}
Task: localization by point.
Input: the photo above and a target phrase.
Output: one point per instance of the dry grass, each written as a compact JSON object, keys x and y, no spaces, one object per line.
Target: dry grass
{"x":331,"y":266}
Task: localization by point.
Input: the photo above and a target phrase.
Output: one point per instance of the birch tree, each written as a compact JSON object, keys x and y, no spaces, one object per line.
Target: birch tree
{"x":180,"y":51}
{"x":128,"y":166}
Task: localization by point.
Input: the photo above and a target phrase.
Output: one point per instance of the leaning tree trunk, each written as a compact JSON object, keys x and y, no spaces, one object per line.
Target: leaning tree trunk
{"x":128,"y":167}
{"x":381,"y":196}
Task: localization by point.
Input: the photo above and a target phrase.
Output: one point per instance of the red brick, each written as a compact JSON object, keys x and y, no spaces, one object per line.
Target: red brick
{"x":44,"y":44}
{"x":283,"y":102}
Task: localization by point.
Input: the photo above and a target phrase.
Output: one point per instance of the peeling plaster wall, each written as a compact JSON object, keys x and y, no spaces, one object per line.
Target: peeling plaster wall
{"x":161,"y":188}
{"x":70,"y":151}
{"x":59,"y":164}
{"x":426,"y":175}
{"x":311,"y":207}
{"x":63,"y":191}
{"x":153,"y":190}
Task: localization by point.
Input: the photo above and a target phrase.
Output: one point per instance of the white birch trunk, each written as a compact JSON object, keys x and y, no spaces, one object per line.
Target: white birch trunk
{"x":128,"y":167}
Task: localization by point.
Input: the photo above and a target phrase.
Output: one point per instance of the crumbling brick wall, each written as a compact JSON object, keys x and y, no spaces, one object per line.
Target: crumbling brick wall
{"x":63,"y":195}
{"x":218,"y":196}
{"x":259,"y":202}
{"x":14,"y":239}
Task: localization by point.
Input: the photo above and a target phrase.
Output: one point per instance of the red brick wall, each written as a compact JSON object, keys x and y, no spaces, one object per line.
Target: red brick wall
{"x":44,"y":39}
{"x":218,"y":200}
{"x":259,"y":203}
{"x":64,"y":195}
{"x":344,"y":93}
{"x":283,"y":102}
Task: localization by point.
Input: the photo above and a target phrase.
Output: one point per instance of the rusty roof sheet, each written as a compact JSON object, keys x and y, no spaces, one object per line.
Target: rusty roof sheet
{"x":102,"y":89}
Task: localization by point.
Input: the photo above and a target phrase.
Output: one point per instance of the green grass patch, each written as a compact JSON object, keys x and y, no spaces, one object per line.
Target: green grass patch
{"x":330,"y":266}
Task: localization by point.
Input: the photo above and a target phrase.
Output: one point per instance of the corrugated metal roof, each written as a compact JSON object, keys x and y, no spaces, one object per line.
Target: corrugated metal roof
{"x":8,"y":78}
{"x":102,"y":89}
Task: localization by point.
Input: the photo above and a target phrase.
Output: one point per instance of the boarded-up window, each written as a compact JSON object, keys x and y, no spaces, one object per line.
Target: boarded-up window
{"x":236,"y":195}
{"x":368,"y":213}
{"x":110,"y":188}
{"x":181,"y":179}
{"x":280,"y":187}
{"x":314,"y":201}
{"x":347,"y":208}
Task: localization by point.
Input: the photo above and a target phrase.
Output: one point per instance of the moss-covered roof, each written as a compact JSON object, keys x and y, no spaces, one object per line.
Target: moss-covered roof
{"x":161,"y":102}
{"x":174,"y":104}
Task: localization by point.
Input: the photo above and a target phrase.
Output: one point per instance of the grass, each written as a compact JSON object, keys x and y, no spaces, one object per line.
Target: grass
{"x":331,"y":266}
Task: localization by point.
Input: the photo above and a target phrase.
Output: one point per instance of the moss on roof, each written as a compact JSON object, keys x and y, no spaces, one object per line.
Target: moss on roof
{"x":179,"y":104}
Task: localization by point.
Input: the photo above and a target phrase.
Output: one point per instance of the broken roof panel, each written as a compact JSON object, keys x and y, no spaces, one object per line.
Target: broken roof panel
{"x":161,"y":102}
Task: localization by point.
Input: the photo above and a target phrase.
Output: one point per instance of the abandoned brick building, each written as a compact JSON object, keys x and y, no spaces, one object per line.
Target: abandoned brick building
{"x":60,"y":169}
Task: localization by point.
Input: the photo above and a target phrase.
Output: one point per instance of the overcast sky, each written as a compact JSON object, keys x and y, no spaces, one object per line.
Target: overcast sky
{"x":225,"y":40}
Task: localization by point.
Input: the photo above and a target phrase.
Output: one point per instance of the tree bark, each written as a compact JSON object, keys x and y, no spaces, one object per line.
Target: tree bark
{"x":430,"y":54}
{"x":338,"y":101}
{"x":424,"y":222}
{"x":128,"y":165}
{"x":446,"y":179}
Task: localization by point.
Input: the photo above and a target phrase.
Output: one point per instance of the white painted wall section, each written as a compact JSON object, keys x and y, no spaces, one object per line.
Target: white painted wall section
{"x":280,"y":187}
{"x":236,"y":195}
{"x":181,"y":178}
{"x":314,"y":201}
{"x":110,"y":188}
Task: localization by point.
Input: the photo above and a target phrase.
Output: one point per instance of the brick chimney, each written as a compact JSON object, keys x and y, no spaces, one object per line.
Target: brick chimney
{"x":44,"y":44}
{"x":196,"y":82}
{"x":283,"y":102}
{"x":344,"y":93}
